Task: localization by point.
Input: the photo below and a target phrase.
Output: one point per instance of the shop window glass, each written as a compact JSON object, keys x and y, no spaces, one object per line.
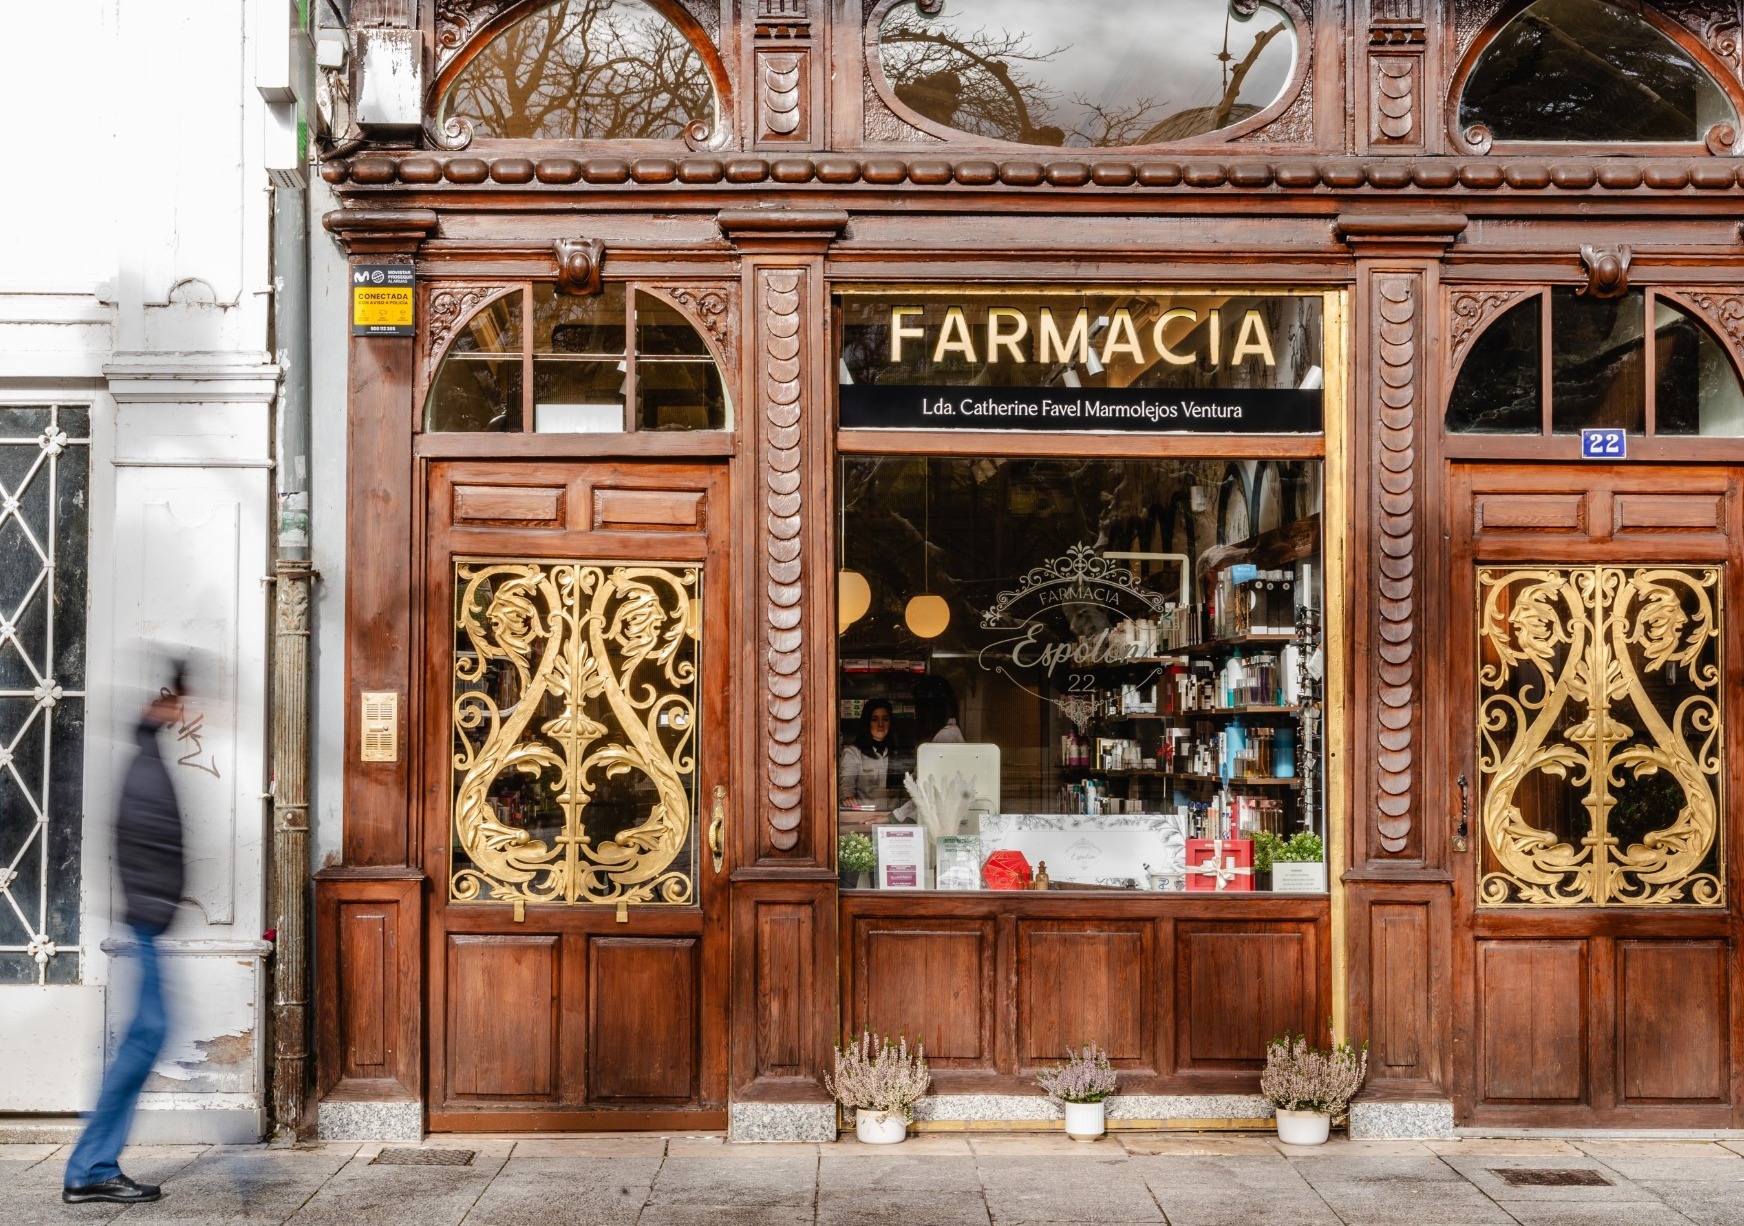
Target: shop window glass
{"x":1582,"y":70}
{"x":591,"y":358}
{"x":479,"y":384}
{"x":1696,"y":388}
{"x":1034,"y":671}
{"x":585,"y":70}
{"x":1038,"y":72}
{"x":1500,"y":384}
{"x":1602,"y":372}
{"x":1597,"y":361}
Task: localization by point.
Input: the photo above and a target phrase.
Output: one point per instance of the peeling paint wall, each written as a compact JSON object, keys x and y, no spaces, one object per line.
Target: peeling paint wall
{"x":138,"y":285}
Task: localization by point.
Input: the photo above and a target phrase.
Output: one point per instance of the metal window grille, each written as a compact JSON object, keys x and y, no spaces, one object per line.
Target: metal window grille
{"x":44,"y":529}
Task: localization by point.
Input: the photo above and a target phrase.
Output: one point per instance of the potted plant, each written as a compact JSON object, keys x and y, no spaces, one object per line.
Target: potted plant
{"x":881,"y":1083}
{"x":1078,"y":1087}
{"x":1299,"y":863}
{"x":1309,"y":1086}
{"x":856,"y":859}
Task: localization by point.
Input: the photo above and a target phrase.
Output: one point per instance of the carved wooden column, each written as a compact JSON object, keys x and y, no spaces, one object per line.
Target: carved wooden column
{"x":787,"y":90}
{"x":368,"y":924}
{"x":1398,"y":111}
{"x":783,"y":1012}
{"x":1398,"y":895}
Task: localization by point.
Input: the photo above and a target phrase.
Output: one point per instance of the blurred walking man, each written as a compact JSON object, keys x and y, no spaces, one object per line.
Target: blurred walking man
{"x":148,"y":847}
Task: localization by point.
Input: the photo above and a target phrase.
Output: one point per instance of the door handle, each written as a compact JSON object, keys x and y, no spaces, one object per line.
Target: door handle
{"x":717,"y":831}
{"x":1461,"y":831}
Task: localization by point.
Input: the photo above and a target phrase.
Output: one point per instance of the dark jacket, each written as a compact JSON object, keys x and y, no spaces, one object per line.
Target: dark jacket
{"x":148,"y":836}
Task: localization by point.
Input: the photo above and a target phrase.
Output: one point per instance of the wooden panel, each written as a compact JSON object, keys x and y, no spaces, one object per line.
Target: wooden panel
{"x":367,"y":1021}
{"x":932,"y":981}
{"x":1672,"y":1037}
{"x":1668,"y":512}
{"x":381,"y":495}
{"x":1238,"y":986}
{"x":366,"y":959}
{"x":642,"y":1005}
{"x":1399,"y":968}
{"x":1081,"y":983}
{"x":502,"y":1017}
{"x":509,"y":504}
{"x":1532,"y":1003}
{"x":1526,"y":512}
{"x":647,"y":510}
{"x":784,"y":1004}
{"x":784,"y":987}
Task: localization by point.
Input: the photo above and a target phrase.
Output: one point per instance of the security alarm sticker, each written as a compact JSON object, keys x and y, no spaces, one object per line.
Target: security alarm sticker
{"x":381,"y":300}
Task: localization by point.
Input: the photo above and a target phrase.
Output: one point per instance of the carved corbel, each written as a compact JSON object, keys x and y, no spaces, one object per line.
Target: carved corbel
{"x":1607,"y":270}
{"x":578,"y":265}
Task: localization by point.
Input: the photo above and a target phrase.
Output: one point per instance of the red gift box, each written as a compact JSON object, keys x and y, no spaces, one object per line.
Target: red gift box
{"x":1220,"y":864}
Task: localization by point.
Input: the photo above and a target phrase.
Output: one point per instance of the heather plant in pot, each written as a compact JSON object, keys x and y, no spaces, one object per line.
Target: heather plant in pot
{"x":1310,"y":1086}
{"x":1079,"y":1087}
{"x":880,"y":1082}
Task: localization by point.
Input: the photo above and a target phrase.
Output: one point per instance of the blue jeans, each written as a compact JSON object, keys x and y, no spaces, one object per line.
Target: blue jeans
{"x":97,"y":1155}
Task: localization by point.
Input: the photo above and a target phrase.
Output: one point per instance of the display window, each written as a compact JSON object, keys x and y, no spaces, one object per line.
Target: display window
{"x":1091,"y":671}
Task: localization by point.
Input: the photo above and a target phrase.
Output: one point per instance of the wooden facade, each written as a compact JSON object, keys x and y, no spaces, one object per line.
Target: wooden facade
{"x":1358,"y":180}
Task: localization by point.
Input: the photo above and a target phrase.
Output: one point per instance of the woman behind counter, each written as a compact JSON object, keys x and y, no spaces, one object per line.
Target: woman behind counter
{"x":871,"y":765}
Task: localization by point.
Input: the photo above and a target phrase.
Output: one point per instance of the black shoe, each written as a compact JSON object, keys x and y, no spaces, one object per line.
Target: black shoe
{"x":121,"y":1190}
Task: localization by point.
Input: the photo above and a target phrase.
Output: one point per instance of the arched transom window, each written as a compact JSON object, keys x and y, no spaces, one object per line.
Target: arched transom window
{"x":1590,"y":72}
{"x":1113,"y":73}
{"x":1642,"y":361}
{"x":534,"y":360}
{"x":585,"y":70}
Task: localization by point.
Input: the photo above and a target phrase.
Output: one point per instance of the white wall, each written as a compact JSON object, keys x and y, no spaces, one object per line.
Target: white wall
{"x":135,"y":278}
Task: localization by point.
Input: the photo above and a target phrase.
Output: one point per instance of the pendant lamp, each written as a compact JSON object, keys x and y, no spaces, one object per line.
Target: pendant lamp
{"x":853,"y":593}
{"x":853,"y":598}
{"x":927,"y":615}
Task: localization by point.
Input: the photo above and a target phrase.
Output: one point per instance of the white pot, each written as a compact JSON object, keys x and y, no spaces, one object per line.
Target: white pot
{"x":873,"y":1128}
{"x":1085,"y":1121}
{"x":1303,"y":1127}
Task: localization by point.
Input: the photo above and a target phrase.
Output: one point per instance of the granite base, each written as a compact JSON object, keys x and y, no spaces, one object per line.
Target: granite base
{"x":769,"y":1122}
{"x":370,"y":1121}
{"x":1429,"y":1119}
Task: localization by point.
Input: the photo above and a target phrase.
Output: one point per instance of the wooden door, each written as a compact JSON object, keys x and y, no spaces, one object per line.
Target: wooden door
{"x":1596,"y":716}
{"x":575,"y":759}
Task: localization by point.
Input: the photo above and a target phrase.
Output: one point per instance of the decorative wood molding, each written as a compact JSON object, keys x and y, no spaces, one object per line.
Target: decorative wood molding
{"x":710,"y":306}
{"x":1607,"y":270}
{"x":364,"y":231}
{"x":578,"y":265}
{"x":780,"y":296}
{"x":781,"y":89}
{"x":1393,"y":86}
{"x":447,"y":306}
{"x":1470,"y":311}
{"x":1397,"y":299}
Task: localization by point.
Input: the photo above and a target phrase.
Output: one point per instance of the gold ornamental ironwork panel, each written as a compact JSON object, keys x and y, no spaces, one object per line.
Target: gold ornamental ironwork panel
{"x":1600,"y":749}
{"x":574,"y":715}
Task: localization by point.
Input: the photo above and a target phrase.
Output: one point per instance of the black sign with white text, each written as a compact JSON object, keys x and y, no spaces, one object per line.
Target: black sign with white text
{"x":1234,"y":410}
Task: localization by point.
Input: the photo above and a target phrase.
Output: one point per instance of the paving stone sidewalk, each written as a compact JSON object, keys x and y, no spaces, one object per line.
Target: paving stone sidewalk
{"x":931,"y":1180}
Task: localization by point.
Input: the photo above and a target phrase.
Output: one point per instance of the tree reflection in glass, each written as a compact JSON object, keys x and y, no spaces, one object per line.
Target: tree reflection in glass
{"x":1037,"y":72}
{"x":585,"y":70}
{"x":1580,"y":70}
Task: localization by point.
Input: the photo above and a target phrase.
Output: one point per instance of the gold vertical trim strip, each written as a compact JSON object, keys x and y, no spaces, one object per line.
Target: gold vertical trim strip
{"x":1334,"y":719}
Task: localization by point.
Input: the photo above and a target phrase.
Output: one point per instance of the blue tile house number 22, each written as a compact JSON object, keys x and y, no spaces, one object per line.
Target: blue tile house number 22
{"x":1604,"y":443}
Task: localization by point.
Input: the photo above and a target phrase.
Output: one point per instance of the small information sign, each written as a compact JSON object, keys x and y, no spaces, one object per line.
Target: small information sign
{"x":381,"y":300}
{"x":1604,"y":443}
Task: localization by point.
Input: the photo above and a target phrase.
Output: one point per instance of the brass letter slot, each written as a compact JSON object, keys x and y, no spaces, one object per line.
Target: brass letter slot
{"x":379,"y":728}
